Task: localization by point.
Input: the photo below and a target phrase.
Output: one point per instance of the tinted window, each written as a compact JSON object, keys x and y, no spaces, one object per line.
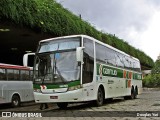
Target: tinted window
{"x":25,"y":75}
{"x":108,"y":56}
{"x":136,"y":66}
{"x":126,"y":62}
{"x":16,"y":75}
{"x":88,"y":59}
{"x":100,"y":53}
{"x":105,"y":55}
{"x":119,"y":59}
{"x":31,"y":75}
{"x":13,"y":74}
{"x":2,"y":74}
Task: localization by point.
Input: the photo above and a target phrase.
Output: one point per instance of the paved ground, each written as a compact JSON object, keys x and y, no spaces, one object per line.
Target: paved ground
{"x":147,"y":104}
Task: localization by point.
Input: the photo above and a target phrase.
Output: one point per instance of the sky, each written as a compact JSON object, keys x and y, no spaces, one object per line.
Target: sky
{"x":134,"y":21}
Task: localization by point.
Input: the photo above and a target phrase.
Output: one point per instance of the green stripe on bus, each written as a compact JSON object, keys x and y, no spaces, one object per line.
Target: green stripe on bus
{"x":74,"y":83}
{"x":50,"y":86}
{"x":103,"y":70}
{"x":137,"y":76}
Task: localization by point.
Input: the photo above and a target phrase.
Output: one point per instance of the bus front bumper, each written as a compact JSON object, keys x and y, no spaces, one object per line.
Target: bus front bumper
{"x":69,"y":96}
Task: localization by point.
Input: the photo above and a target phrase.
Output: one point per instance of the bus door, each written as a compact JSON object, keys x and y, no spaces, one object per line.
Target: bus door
{"x":88,"y":70}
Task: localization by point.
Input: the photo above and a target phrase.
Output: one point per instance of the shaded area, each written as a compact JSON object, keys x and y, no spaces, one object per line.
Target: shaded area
{"x":15,"y":41}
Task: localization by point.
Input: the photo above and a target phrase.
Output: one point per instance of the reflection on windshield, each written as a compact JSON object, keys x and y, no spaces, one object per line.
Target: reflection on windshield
{"x":62,"y":44}
{"x":57,"y":67}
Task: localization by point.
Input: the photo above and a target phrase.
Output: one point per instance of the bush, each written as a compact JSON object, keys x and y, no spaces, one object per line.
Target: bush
{"x":152,"y":80}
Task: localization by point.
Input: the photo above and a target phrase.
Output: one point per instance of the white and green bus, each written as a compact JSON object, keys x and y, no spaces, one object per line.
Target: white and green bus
{"x":80,"y":68}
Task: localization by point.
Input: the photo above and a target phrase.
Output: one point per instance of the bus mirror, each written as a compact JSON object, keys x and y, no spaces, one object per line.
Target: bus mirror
{"x":26,"y":60}
{"x":79,"y":54}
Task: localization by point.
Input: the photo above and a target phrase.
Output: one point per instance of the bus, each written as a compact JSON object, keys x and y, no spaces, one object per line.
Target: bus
{"x":79,"y":68}
{"x":16,"y":85}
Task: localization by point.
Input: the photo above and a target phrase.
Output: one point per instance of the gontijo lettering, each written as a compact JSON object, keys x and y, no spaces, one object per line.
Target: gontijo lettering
{"x":108,"y":71}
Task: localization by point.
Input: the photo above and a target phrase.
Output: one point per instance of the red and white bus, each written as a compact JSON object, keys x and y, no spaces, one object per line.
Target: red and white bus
{"x":15,"y":84}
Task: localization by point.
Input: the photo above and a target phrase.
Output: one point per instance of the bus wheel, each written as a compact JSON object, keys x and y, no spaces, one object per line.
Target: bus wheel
{"x":100,"y":97}
{"x":135,"y":92}
{"x":15,"y":101}
{"x":131,"y":96}
{"x":132,"y":93}
{"x":62,"y":105}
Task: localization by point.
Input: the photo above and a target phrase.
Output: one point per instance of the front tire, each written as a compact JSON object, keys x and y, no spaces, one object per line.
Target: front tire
{"x":62,"y":105}
{"x":100,"y":97}
{"x":15,"y":101}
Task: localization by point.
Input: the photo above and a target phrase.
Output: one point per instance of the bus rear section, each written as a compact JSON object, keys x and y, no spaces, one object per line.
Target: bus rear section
{"x":16,"y":84}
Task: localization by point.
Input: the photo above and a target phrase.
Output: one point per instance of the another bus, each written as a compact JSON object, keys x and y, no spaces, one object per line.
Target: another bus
{"x":16,"y":84}
{"x":80,"y":68}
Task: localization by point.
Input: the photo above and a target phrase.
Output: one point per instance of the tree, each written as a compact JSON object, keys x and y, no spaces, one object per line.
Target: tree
{"x":156,"y":69}
{"x":153,"y":80}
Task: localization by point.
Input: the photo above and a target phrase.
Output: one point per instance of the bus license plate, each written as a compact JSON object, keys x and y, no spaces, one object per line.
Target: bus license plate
{"x":53,"y":97}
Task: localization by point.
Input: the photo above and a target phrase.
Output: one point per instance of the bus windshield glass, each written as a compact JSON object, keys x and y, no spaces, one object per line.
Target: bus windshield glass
{"x":56,"y":62}
{"x":59,"y":44}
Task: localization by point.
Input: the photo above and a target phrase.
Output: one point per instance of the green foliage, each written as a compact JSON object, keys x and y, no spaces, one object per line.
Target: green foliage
{"x":156,"y":69}
{"x":147,"y":81}
{"x":50,"y":17}
{"x":153,"y":80}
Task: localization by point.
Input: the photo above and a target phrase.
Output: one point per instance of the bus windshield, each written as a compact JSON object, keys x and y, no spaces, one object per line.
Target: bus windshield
{"x":56,"y":61}
{"x":57,"y":67}
{"x":59,"y":44}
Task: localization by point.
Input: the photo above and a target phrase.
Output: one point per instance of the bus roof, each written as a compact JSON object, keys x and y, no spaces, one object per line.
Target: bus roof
{"x":85,"y":36}
{"x":9,"y":66}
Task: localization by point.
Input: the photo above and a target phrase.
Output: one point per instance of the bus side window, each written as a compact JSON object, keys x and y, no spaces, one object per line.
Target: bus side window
{"x":25,"y":75}
{"x":2,"y":74}
{"x":119,"y":60}
{"x":100,"y":53}
{"x":13,"y":74}
{"x":110,"y":56}
{"x":88,"y":59}
{"x":16,"y":75}
{"x":31,"y":75}
{"x":105,"y":55}
{"x":137,"y":66}
{"x":10,"y":74}
{"x":126,"y":62}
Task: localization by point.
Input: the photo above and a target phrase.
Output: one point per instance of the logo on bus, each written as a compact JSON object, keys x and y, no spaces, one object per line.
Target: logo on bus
{"x":108,"y":71}
{"x":103,"y":70}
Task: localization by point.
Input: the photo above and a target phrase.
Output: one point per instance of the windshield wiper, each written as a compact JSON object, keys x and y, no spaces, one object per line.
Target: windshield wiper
{"x":48,"y":52}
